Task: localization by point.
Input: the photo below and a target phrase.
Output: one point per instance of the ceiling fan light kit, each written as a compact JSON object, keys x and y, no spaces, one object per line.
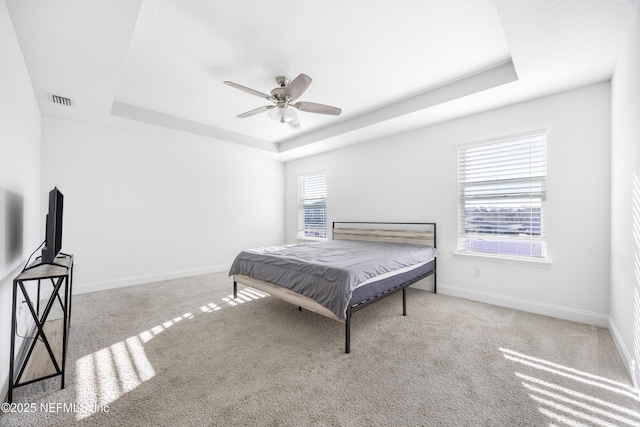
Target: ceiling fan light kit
{"x":283,"y":97}
{"x":282,"y":114}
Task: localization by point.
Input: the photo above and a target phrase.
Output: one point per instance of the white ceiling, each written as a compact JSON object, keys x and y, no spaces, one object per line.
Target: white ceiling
{"x":391,"y":66}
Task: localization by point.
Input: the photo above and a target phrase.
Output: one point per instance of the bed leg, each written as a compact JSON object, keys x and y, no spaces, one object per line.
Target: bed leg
{"x":235,"y":289}
{"x":404,"y":301}
{"x":435,"y":276}
{"x":347,"y":332}
{"x":299,"y":308}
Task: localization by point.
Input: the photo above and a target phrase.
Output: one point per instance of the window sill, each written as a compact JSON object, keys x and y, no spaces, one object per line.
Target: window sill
{"x":535,"y":262}
{"x":311,"y":239}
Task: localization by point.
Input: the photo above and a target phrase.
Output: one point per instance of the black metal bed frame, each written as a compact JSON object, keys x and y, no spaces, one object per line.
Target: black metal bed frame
{"x":352,"y":308}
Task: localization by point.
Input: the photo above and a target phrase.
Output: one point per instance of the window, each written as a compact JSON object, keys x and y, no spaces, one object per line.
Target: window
{"x":502,"y":196}
{"x":312,"y":206}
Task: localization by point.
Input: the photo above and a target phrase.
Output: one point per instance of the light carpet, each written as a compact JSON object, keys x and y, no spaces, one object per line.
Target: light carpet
{"x":183,"y":352}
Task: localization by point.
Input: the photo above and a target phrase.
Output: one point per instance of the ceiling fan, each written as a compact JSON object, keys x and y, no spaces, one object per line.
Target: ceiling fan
{"x":283,"y":97}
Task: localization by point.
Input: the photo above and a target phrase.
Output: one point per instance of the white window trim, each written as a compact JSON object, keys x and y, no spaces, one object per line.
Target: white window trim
{"x":299,"y":237}
{"x":521,"y":260}
{"x":517,"y":259}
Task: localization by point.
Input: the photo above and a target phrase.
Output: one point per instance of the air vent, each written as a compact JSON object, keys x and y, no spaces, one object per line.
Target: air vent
{"x":61,"y":100}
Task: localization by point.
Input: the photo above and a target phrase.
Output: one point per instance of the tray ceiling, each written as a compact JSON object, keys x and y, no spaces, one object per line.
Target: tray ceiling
{"x":390,"y":65}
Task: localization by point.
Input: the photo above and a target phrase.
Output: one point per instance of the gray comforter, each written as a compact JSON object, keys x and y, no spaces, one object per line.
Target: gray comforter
{"x":328,"y":272}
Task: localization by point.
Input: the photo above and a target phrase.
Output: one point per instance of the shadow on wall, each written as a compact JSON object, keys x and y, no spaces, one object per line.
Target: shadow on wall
{"x":635,"y":205}
{"x":11,"y":230}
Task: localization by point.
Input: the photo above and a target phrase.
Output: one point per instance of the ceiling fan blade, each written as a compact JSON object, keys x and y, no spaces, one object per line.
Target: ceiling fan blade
{"x":297,"y":86}
{"x":255,"y":111}
{"x":248,"y":90}
{"x":312,"y":107}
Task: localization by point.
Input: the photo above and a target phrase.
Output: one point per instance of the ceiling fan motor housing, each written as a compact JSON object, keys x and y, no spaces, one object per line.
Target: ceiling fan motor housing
{"x":280,"y":95}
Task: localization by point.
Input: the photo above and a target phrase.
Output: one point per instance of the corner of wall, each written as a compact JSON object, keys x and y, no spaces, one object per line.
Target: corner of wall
{"x":632,"y":366}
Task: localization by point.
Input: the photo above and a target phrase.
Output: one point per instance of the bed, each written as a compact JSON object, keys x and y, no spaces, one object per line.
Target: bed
{"x":364,"y":262}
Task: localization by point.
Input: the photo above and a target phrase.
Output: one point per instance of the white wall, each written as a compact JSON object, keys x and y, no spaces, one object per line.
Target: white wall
{"x":19,"y":170}
{"x":140,"y":207}
{"x":413,"y":177}
{"x":625,"y":198}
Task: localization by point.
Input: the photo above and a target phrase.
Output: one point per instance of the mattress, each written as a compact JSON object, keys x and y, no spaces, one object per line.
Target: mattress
{"x":401,"y":276}
{"x":330,"y":272}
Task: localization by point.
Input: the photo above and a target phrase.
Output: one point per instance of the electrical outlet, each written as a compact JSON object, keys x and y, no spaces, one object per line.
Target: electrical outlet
{"x":476,"y":272}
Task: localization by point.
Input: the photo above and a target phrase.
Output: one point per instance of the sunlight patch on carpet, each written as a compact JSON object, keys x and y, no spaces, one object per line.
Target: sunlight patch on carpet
{"x":573,"y":397}
{"x":244,"y":295}
{"x":104,"y":376}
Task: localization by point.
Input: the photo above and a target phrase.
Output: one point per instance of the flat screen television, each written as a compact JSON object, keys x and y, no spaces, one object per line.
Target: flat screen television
{"x":53,"y":234}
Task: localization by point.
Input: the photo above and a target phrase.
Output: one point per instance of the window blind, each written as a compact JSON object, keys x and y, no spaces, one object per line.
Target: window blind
{"x":502,"y":196}
{"x":312,"y":205}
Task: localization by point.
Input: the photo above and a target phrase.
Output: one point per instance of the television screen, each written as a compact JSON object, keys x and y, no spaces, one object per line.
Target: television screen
{"x":53,"y":235}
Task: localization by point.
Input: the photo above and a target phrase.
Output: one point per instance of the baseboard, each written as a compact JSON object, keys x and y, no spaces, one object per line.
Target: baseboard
{"x":8,"y":282}
{"x":4,"y":388}
{"x":627,"y":357}
{"x":23,"y":347}
{"x":81,"y":288}
{"x":567,"y":313}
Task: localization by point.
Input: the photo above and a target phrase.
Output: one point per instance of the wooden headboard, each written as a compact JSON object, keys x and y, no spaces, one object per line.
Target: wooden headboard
{"x":397,"y":232}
